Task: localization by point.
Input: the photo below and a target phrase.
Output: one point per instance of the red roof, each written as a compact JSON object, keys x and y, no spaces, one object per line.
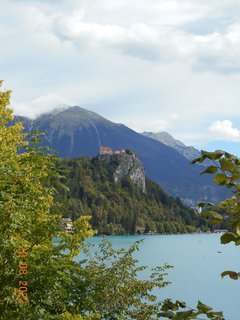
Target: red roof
{"x":106,"y":148}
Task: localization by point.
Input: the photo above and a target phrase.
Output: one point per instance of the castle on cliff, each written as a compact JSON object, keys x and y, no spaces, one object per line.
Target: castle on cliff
{"x":107,"y":150}
{"x":126,"y":163}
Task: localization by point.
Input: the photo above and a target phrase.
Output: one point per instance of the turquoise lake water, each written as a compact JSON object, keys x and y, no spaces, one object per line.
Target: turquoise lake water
{"x":198,"y":261}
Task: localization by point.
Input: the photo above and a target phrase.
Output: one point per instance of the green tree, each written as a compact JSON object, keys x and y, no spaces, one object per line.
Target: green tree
{"x":29,"y":221}
{"x":38,"y":254}
{"x":92,"y":190}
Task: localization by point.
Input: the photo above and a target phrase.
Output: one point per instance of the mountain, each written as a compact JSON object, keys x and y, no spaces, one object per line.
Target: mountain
{"x":188,"y":152}
{"x":77,"y":132}
{"x":120,"y":206}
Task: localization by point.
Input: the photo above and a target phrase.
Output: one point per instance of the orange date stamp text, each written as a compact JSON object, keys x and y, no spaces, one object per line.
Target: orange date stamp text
{"x":22,"y":272}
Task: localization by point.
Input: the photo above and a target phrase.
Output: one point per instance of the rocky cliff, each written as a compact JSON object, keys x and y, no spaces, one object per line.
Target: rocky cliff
{"x":126,"y":165}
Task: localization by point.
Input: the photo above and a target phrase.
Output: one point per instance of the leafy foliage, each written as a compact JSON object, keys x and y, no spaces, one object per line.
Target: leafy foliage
{"x":26,"y":199}
{"x":121,"y":208}
{"x":170,"y":310}
{"x":226,"y":168}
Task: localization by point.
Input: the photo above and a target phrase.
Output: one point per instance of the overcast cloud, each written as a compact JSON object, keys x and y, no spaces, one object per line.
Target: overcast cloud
{"x":152,"y":65}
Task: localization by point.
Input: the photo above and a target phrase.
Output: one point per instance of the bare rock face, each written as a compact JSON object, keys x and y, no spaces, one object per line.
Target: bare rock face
{"x":127,"y":165}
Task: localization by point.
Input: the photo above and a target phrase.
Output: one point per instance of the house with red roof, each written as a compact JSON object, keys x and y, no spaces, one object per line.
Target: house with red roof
{"x":106,"y":150}
{"x":120,"y":152}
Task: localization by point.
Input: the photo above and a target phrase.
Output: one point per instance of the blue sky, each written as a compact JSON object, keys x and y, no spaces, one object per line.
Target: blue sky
{"x":151,"y":64}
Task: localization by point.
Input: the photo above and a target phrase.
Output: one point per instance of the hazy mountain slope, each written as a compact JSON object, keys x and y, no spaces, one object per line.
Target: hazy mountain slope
{"x":188,"y":152}
{"x":77,"y":132}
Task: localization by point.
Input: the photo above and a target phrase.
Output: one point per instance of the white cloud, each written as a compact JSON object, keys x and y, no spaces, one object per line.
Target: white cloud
{"x":174,"y":116}
{"x":224,"y":130}
{"x":40,"y":105}
{"x":156,"y":39}
{"x":131,"y":61}
{"x":73,"y":28}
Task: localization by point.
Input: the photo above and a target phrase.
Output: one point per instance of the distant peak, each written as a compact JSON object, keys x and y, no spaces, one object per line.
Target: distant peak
{"x":73,"y":113}
{"x":164,"y":137}
{"x":159,"y":133}
{"x":78,"y":109}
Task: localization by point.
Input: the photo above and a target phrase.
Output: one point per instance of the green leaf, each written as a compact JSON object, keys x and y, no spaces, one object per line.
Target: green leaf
{"x":218,"y":154}
{"x":213,"y":315}
{"x":227,"y":165}
{"x":167,"y":314}
{"x":203,"y":307}
{"x":229,"y":155}
{"x":205,"y":204}
{"x":236,"y":227}
{"x":236,"y":176}
{"x":183,"y":315}
{"x":213,"y":155}
{"x":232,"y":274}
{"x":169,"y":305}
{"x":181,"y":304}
{"x":212,"y":215}
{"x":210,"y":169}
{"x":228,"y":237}
{"x":200,"y":159}
{"x":220,"y":178}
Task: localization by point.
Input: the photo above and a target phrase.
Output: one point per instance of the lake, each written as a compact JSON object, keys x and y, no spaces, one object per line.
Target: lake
{"x":198,"y":261}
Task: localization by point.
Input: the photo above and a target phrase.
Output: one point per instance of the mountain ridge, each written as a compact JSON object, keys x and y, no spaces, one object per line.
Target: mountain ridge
{"x":189,"y":152}
{"x":76,"y":132}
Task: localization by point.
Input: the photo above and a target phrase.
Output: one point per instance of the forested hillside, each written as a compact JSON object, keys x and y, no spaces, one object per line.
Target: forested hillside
{"x":121,"y":208}
{"x":77,"y":132}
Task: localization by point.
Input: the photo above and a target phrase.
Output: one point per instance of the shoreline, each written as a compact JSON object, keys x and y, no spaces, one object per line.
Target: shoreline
{"x":161,"y":234}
